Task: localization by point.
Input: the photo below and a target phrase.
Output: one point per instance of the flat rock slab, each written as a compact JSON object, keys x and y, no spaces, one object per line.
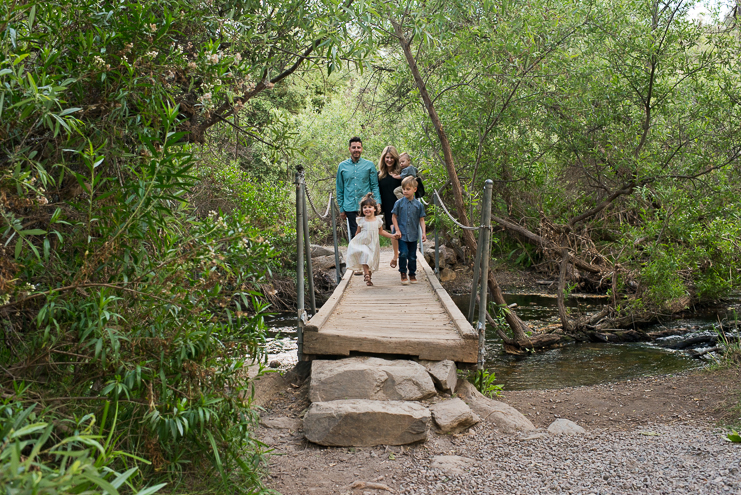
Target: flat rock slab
{"x":365,"y":423}
{"x":453,"y":416}
{"x":369,"y":378}
{"x":292,"y":424}
{"x":443,"y":373}
{"x":452,"y":464}
{"x":565,"y":427}
{"x":506,"y":417}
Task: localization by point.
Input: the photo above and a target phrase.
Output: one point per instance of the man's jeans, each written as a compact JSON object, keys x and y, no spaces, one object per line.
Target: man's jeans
{"x":408,"y":251}
{"x":352,"y":219}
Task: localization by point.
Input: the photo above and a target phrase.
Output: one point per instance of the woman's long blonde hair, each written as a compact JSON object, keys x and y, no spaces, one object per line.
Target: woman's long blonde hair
{"x":383,"y":170}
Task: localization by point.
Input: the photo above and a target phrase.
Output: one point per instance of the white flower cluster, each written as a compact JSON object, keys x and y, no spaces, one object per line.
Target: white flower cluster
{"x":152,"y":54}
{"x":153,"y":28}
{"x":98,"y":62}
{"x":238,"y":57}
{"x":212,"y":58}
{"x":219,"y":221}
{"x":4,"y":299}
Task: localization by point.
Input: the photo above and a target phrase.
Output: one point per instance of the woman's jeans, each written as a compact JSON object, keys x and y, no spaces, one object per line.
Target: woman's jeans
{"x":408,"y":251}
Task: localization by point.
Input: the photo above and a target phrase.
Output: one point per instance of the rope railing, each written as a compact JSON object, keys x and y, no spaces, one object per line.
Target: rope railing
{"x":442,"y":204}
{"x":316,"y":212}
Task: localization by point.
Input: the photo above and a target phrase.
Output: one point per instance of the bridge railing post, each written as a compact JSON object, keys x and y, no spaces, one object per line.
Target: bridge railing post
{"x":301,"y":313}
{"x":307,"y":246}
{"x":437,"y":237}
{"x":485,"y":254}
{"x":337,"y":267}
{"x":476,"y":273}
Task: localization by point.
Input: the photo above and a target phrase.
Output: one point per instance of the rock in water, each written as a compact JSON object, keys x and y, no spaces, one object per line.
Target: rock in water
{"x":565,"y":427}
{"x":443,"y":373}
{"x":369,"y":378}
{"x":506,"y":417}
{"x":453,"y":416}
{"x":364,"y":423}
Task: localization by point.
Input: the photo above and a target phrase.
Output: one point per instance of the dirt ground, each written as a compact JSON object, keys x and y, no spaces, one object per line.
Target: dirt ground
{"x":703,"y":397}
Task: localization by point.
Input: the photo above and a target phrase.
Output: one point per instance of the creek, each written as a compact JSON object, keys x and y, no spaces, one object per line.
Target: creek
{"x":569,"y":365}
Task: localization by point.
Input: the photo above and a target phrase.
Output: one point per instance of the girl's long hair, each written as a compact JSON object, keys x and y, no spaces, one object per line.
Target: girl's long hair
{"x":383,"y":170}
{"x":369,"y":200}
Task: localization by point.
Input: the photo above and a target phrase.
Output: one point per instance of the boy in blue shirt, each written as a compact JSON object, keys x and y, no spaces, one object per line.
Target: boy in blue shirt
{"x":407,"y":214}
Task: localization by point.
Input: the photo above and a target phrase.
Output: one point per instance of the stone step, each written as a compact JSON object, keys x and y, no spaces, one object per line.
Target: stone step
{"x":365,"y":423}
{"x":369,"y":378}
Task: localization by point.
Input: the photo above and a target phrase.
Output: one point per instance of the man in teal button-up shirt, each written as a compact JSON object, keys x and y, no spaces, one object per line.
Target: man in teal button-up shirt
{"x":356,"y":177}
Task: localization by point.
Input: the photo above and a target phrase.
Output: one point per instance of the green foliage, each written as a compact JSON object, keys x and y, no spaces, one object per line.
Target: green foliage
{"x":37,"y":458}
{"x":734,"y":437}
{"x":130,"y":267}
{"x":483,"y":380}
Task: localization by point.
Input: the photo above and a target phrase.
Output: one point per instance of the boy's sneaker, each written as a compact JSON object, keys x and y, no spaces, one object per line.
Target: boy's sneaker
{"x":413,"y":279}
{"x":404,"y":279}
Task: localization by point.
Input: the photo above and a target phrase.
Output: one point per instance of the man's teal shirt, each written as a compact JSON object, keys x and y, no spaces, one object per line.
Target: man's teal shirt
{"x":355,"y":180}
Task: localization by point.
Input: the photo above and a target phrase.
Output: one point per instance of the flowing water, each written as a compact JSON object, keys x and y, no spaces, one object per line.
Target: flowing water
{"x":570,"y":365}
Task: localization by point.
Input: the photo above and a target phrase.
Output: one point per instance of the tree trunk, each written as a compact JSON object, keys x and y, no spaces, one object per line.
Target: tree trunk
{"x":518,"y":327}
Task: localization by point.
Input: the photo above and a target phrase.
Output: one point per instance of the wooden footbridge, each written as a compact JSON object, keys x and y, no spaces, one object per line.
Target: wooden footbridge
{"x":419,"y":320}
{"x":416,"y":320}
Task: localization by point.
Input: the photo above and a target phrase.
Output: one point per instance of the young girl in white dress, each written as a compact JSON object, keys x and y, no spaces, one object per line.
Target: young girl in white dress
{"x":364,"y":249}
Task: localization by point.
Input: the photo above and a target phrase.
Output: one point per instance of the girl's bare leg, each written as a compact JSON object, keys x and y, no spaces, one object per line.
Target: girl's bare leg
{"x":367,"y":272}
{"x":395,"y":243}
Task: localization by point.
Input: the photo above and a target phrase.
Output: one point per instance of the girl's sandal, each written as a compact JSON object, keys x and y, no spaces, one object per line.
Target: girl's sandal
{"x":368,"y":281}
{"x":393,"y":263}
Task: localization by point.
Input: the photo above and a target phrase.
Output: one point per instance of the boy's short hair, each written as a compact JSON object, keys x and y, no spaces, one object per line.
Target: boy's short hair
{"x":409,"y":181}
{"x":406,"y":155}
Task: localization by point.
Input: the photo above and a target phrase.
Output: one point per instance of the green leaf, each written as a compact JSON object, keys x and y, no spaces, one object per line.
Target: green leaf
{"x":68,"y":111}
{"x":150,"y":490}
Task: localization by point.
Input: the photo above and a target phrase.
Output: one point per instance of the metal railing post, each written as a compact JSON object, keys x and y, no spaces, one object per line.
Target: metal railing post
{"x":437,"y":243}
{"x":307,"y":247}
{"x":476,"y":276}
{"x":338,"y":269}
{"x":485,"y":254}
{"x":301,"y":314}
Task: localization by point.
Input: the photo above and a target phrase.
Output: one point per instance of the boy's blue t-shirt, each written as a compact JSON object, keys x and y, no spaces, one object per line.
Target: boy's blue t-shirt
{"x":408,"y":214}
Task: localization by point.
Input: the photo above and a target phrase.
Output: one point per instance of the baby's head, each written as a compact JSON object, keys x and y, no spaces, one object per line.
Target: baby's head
{"x":405,"y":160}
{"x":369,"y":201}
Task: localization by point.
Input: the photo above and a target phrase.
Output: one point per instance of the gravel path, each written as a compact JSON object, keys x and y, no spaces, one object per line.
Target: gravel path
{"x":660,"y":459}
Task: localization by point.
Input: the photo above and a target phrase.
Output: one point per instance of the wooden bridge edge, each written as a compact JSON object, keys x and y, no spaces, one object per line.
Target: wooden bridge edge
{"x":321,"y":316}
{"x":465,"y":329}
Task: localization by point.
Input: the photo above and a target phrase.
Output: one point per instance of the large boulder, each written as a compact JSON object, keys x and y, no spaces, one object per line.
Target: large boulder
{"x":443,"y":373}
{"x":453,"y":416}
{"x":325,"y":263}
{"x":317,"y":250}
{"x":447,"y":275}
{"x":369,"y":378}
{"x":505,"y":417}
{"x":364,"y":423}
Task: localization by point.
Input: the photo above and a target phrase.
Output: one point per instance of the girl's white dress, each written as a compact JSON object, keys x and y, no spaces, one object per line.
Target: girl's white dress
{"x":364,"y":248}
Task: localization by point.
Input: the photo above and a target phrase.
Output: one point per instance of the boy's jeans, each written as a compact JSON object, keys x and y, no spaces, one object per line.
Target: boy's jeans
{"x":408,"y":251}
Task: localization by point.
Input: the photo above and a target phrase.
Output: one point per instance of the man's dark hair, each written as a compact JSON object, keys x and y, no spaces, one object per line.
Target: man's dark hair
{"x":355,"y":139}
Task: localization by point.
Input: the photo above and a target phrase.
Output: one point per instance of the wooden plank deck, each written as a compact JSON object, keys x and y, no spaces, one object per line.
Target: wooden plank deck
{"x":419,"y":320}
